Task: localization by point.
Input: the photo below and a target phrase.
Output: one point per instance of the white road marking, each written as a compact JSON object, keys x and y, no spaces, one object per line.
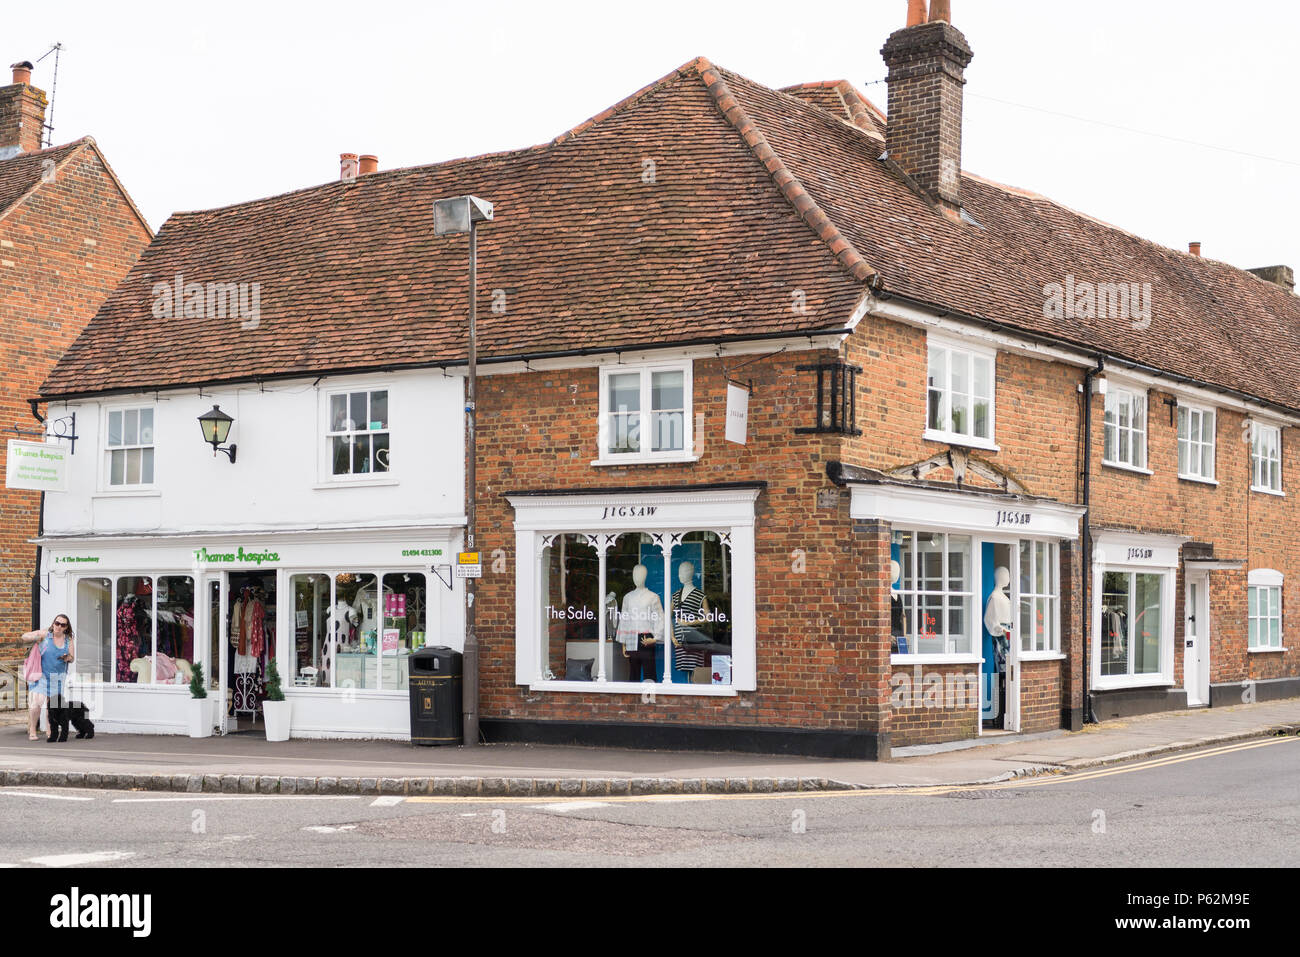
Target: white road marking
{"x":52,"y":797}
{"x":571,"y":806}
{"x":240,"y":797}
{"x":387,"y":801}
{"x":80,"y":860}
{"x":326,"y":829}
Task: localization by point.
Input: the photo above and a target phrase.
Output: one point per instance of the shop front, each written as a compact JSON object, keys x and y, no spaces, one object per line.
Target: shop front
{"x":339,"y":613}
{"x":977,"y":622}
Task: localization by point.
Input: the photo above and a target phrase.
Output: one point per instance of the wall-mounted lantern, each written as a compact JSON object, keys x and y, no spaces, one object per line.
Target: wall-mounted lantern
{"x":216,"y":429}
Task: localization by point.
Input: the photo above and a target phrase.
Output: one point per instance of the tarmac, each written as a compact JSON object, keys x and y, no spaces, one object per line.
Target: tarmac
{"x":248,"y":763}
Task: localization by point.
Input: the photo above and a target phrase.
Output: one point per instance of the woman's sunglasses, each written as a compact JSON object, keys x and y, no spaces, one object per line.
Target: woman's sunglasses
{"x":63,"y":624}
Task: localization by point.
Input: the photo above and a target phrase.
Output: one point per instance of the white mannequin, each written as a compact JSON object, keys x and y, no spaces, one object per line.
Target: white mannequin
{"x":895,"y":573}
{"x":686,"y":575}
{"x":997,"y":613}
{"x":643,"y":613}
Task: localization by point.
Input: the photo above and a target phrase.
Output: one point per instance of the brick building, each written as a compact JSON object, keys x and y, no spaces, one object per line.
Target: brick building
{"x":68,"y":234}
{"x":793,"y":436}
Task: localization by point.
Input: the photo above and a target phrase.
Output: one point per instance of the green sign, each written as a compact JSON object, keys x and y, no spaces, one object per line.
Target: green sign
{"x":76,"y":559}
{"x":238,"y":557}
{"x":421,"y":552}
{"x":37,"y":466}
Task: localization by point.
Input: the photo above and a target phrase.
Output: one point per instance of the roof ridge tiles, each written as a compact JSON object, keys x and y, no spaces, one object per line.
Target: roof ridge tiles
{"x":785,"y":180}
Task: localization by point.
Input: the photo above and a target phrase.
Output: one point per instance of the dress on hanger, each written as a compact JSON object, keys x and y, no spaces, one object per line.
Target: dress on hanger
{"x":128,"y":640}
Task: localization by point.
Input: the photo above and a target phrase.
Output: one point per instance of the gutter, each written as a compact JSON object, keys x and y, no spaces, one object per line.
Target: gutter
{"x":40,"y":533}
{"x":1085,"y":557}
{"x":442,"y":364}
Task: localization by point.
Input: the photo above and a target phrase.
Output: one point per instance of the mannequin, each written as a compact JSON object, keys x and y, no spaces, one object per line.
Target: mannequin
{"x":998,"y":618}
{"x":689,"y":608}
{"x":897,"y":623}
{"x":640,"y":627}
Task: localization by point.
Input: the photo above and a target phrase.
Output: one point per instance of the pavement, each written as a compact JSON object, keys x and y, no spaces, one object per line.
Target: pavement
{"x":247,"y":763}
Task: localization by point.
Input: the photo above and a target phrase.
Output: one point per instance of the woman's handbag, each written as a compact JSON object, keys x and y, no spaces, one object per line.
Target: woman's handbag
{"x":32,"y":667}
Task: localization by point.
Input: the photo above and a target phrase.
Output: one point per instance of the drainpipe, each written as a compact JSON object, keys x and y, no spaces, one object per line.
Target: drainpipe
{"x":1086,"y":545}
{"x":40,"y":533}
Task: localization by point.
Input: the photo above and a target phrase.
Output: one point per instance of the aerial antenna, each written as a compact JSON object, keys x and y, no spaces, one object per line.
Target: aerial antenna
{"x":54,"y":89}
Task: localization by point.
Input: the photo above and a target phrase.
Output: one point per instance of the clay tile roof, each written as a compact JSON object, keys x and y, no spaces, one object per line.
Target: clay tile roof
{"x":21,"y":175}
{"x":698,"y":209}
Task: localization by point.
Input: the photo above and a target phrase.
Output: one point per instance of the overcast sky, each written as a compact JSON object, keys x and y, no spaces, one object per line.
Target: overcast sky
{"x":202,"y":106}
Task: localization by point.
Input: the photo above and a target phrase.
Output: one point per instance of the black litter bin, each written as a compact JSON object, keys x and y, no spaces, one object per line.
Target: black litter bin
{"x":437,"y":674}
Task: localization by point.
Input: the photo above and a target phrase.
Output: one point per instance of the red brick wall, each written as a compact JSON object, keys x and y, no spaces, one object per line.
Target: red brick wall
{"x":822,"y":632}
{"x":933,"y":703}
{"x":1040,"y":695}
{"x":51,"y":283}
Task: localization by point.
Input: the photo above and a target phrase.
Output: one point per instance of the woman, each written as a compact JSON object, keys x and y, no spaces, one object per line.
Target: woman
{"x":56,"y":655}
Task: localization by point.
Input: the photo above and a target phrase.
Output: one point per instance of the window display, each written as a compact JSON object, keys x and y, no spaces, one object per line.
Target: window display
{"x":936,"y":592}
{"x":641,"y":611}
{"x":1039,"y":573}
{"x":1131,"y":623}
{"x":134,"y":597}
{"x":94,"y":629}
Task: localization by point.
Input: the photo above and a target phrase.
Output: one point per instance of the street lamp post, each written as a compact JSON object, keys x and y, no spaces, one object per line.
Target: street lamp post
{"x":462,"y":214}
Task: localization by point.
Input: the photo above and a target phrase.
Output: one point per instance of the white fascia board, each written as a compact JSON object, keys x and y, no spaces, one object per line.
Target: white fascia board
{"x":975,"y":335}
{"x":1196,"y":397}
{"x":645,"y":355}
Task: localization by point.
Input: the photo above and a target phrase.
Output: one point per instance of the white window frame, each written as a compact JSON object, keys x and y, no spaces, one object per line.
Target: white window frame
{"x":1259,"y":462}
{"x":1195,"y":444}
{"x":969,"y":353}
{"x":325,"y":435}
{"x":1051,"y":594}
{"x":106,"y":451}
{"x":722,"y":511}
{"x":646,"y":371}
{"x":1113,"y":395}
{"x":1265,"y":582}
{"x":974,"y":619}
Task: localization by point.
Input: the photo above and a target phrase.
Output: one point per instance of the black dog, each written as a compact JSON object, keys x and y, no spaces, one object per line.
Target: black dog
{"x":63,"y":712}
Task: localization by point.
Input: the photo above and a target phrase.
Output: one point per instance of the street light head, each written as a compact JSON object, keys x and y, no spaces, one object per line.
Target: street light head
{"x":457,"y":215}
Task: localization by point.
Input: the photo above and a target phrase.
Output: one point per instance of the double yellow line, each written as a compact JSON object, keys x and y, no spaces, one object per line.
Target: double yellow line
{"x":1063,"y":777}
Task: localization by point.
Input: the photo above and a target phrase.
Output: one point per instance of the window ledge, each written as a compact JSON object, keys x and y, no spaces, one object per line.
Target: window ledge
{"x":1041,"y":656}
{"x":1265,"y":651}
{"x":1196,"y":478}
{"x":636,"y":688}
{"x":357,"y":483}
{"x":1122,"y":683}
{"x":149,"y":492}
{"x":1268,"y":491}
{"x":917,"y":658}
{"x":961,"y":441}
{"x":1123,"y":467}
{"x":641,"y":460}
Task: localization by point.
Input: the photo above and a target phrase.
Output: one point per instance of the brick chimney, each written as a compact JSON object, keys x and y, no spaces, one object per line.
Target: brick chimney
{"x":22,"y":113}
{"x":1283,"y":276}
{"x":927,"y":63}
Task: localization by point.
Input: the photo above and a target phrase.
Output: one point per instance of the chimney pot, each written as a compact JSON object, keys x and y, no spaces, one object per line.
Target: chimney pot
{"x":916,"y":13}
{"x":369,"y":164}
{"x":22,"y":72}
{"x":941,"y":10}
{"x":348,"y":167}
{"x":1194,"y":248}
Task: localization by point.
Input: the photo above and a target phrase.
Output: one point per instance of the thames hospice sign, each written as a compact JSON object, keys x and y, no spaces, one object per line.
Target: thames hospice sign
{"x":37,"y":466}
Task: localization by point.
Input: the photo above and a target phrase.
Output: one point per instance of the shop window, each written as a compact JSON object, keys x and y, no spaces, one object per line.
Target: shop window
{"x":1039,"y":597}
{"x":960,"y":398}
{"x":935,"y":588}
{"x":1196,"y":443}
{"x":174,"y":646}
{"x":94,"y":629}
{"x":1125,"y":429}
{"x":134,"y":630}
{"x":1132,"y":623}
{"x":645,"y":412}
{"x":837,"y":408}
{"x":129,"y":447}
{"x":358,"y":436}
{"x":665,"y":622}
{"x":1264,"y":610}
{"x":1265,"y":457}
{"x":347,"y":633}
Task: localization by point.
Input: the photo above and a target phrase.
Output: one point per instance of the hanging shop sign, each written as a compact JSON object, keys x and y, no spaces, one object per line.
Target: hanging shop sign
{"x":737,"y":413}
{"x":37,"y":466}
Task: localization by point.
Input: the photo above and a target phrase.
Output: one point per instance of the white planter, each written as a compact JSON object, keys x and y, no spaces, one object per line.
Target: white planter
{"x":276,"y":715}
{"x":200,"y":716}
